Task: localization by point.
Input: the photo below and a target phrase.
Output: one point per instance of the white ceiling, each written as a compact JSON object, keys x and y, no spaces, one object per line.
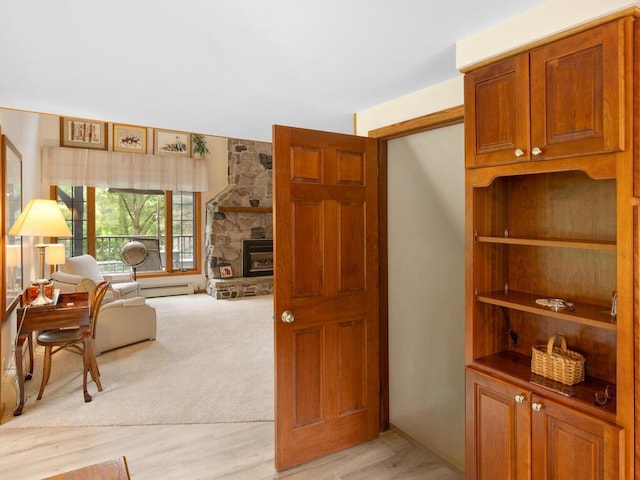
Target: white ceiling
{"x":231,"y":67}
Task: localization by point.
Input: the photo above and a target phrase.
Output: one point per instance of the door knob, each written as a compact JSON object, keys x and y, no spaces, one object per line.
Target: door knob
{"x":287,"y":317}
{"x":519,"y":398}
{"x":536,"y":151}
{"x":536,"y":407}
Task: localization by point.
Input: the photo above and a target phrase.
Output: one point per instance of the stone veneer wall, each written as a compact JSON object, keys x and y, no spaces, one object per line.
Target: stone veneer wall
{"x":249,"y":182}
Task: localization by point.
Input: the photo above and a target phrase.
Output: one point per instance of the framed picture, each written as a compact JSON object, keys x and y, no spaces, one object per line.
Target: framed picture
{"x":168,"y":142}
{"x":226,"y":271}
{"x":129,"y":138}
{"x":83,"y":133}
{"x":12,"y":194}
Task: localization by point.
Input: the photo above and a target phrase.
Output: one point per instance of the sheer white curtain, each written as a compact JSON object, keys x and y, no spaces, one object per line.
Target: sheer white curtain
{"x":99,"y":168}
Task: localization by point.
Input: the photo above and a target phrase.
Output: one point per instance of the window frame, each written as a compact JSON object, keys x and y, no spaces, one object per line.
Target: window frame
{"x":168,"y":199}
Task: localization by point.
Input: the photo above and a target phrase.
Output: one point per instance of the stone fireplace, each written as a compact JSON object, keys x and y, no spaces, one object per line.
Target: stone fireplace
{"x":257,"y":258}
{"x":241,"y":215}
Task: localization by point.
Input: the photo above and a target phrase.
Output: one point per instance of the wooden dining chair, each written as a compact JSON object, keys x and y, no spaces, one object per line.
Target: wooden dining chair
{"x":72,"y":339}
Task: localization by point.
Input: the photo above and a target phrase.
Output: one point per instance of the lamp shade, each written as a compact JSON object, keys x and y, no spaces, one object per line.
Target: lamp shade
{"x":54,"y":254}
{"x":41,"y":218}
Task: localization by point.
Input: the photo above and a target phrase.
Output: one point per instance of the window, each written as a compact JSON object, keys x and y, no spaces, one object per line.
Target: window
{"x":103,"y":220}
{"x":183,"y":222}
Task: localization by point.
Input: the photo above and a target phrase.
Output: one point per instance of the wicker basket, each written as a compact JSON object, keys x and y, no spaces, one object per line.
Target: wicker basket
{"x":557,"y":363}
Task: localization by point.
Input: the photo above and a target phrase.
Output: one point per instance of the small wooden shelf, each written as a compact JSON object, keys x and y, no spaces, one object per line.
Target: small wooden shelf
{"x":245,"y":209}
{"x":517,"y":367}
{"x":584,"y":313}
{"x":550,"y":242}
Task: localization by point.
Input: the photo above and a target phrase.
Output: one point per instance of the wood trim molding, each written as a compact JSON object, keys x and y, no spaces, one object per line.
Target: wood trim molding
{"x":443,"y":118}
{"x":383,"y":287}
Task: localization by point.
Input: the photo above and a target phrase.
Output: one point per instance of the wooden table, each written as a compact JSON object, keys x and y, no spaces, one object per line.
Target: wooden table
{"x":112,"y":470}
{"x":71,"y":310}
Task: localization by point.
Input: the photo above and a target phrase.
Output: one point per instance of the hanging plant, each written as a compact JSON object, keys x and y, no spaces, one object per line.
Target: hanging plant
{"x":200,"y":145}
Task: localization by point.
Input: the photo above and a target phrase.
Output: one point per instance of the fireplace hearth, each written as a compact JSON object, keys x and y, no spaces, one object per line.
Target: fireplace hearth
{"x":257,"y":258}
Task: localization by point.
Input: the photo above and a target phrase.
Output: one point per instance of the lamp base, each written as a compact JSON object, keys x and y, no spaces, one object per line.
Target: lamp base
{"x":41,"y":299}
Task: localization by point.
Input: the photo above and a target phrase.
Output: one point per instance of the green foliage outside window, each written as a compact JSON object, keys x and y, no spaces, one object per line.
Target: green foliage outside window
{"x":128,"y":213}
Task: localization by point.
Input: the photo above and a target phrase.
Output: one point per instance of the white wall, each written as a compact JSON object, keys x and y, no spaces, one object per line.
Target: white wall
{"x":546,"y":19}
{"x":426,"y":289}
{"x":428,"y":100}
{"x":23,"y":129}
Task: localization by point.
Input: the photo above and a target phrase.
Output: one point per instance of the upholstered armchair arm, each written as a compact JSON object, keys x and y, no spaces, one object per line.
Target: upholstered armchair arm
{"x":68,"y":283}
{"x":123,"y":285}
{"x":117,"y":277}
{"x":124,"y":322}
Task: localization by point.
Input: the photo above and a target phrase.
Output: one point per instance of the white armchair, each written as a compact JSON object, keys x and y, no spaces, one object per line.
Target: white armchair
{"x":123,"y":322}
{"x":124,"y":318}
{"x":85,"y":266}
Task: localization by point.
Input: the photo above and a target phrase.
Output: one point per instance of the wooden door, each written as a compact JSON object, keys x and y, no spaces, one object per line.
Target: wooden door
{"x":496,"y":103}
{"x":498,"y":430}
{"x":577,"y":102}
{"x":568,"y":444}
{"x":326,"y":286}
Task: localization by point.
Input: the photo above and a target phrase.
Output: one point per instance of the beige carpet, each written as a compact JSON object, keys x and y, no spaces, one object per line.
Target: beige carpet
{"x":212,"y":362}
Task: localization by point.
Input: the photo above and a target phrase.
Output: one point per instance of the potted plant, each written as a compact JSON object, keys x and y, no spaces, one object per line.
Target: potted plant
{"x":200,"y":145}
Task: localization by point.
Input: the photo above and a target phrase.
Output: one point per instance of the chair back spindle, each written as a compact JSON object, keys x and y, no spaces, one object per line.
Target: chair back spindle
{"x":96,"y":302}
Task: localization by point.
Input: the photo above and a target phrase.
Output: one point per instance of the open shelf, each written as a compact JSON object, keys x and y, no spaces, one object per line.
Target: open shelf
{"x":585,"y":314}
{"x":550,"y":242}
{"x":518,"y":367}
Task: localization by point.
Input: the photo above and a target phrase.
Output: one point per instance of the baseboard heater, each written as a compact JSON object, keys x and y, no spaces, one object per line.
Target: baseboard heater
{"x":167,"y":289}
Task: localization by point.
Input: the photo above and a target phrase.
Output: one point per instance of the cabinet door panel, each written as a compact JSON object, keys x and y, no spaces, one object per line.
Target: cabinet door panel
{"x":498,"y":444}
{"x":497,"y":112}
{"x":576,"y":99}
{"x":567,"y":444}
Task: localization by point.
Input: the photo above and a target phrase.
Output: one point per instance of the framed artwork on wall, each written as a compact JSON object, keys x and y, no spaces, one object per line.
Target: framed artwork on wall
{"x":129,"y":138}
{"x":83,"y":133}
{"x":169,"y":142}
{"x":11,"y":172}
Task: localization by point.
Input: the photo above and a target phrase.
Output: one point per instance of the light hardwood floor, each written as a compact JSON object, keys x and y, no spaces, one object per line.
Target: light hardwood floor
{"x":213,"y":451}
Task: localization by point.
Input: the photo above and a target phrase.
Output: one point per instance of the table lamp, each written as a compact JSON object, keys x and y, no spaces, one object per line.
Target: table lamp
{"x":41,"y":218}
{"x":55,"y":254}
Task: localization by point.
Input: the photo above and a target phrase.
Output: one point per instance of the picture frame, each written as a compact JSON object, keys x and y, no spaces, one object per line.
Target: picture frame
{"x":171,"y":142}
{"x":12,"y":254}
{"x":226,"y":271}
{"x":83,"y":133}
{"x":129,"y":138}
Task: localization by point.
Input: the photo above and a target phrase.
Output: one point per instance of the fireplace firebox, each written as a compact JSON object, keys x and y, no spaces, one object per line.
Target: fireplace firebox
{"x":257,"y":257}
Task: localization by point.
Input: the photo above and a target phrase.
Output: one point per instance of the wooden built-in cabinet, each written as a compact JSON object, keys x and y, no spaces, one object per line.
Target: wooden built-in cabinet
{"x":556,"y":101}
{"x":562,"y":227}
{"x":518,"y":434}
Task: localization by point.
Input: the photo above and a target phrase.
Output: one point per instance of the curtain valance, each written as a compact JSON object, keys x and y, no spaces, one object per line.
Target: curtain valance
{"x":100,"y":168}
